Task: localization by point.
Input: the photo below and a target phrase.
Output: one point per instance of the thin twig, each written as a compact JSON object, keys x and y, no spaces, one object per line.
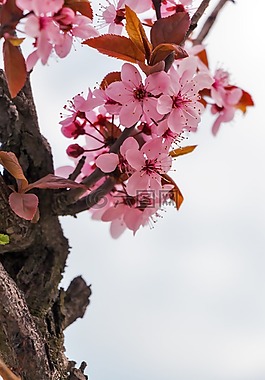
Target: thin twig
{"x":91,"y":199}
{"x":69,"y":197}
{"x":209,"y":22}
{"x":196,"y":17}
{"x":78,"y":169}
{"x":157,"y":6}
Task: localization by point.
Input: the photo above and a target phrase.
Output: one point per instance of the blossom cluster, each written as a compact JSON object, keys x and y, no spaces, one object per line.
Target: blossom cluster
{"x":133,"y":121}
{"x":53,"y":27}
{"x":112,"y":15}
{"x":159,"y":109}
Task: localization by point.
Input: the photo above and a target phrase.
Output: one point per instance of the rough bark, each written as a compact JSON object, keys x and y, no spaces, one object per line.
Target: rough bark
{"x":33,"y":311}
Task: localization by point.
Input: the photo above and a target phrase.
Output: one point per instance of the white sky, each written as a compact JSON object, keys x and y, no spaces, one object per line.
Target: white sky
{"x":184,"y":300}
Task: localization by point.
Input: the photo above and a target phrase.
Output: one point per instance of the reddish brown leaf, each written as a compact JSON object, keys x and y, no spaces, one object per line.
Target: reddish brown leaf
{"x":150,"y":69}
{"x":15,"y":68}
{"x":136,"y":32}
{"x":110,"y":78}
{"x":181,"y":151}
{"x":11,"y":164}
{"x":51,"y":181}
{"x":203,"y":57}
{"x":170,"y":29}
{"x":245,"y":100}
{"x":81,"y":6}
{"x":117,"y":47}
{"x":10,"y":15}
{"x":24,"y":205}
{"x":162,"y":51}
{"x":175,"y":193}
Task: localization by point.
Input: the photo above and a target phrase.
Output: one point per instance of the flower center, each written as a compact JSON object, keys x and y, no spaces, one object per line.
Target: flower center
{"x":178,"y":101}
{"x":140,"y":92}
{"x":150,"y":166}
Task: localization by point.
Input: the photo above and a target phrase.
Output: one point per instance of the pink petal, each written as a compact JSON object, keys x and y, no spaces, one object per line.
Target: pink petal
{"x":129,"y":143}
{"x":157,"y":83}
{"x":32,"y":60}
{"x":130,"y":113}
{"x":63,"y":49}
{"x":133,"y":219}
{"x":164,"y":104}
{"x":234,"y":96}
{"x":117,"y":227}
{"x":119,"y":93}
{"x":152,"y":148}
{"x":135,"y":158}
{"x":130,"y":76}
{"x":137,"y":183}
{"x":113,"y":213}
{"x":107,"y":162}
{"x":176,"y":121}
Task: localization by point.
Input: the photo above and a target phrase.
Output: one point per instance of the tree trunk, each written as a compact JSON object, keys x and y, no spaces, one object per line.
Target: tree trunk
{"x":33,"y":311}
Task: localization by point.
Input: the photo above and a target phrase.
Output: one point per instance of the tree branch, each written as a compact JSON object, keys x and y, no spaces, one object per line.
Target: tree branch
{"x":91,"y":199}
{"x":209,"y":22}
{"x":196,"y":17}
{"x":63,"y":200}
{"x":76,"y":301}
{"x":157,"y":6}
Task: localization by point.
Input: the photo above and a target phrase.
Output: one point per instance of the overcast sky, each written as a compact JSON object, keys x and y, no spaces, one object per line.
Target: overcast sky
{"x":185,"y":299}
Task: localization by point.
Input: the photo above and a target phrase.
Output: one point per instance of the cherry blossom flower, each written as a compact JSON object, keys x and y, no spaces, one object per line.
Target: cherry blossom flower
{"x":226,"y":113}
{"x":218,"y":91}
{"x":181,"y":104}
{"x":137,"y":99}
{"x":130,"y":212}
{"x":110,"y":105}
{"x":40,"y":7}
{"x":78,"y":107}
{"x":149,"y":163}
{"x":113,"y":17}
{"x":169,"y":7}
{"x":113,"y":14}
{"x":53,"y":31}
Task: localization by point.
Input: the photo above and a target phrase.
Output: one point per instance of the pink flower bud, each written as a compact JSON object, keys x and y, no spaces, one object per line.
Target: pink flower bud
{"x":74,"y":150}
{"x":65,"y":16}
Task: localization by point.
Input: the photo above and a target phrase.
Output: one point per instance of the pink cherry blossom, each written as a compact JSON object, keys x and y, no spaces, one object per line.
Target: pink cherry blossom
{"x":130,"y":212}
{"x":139,"y":6}
{"x":169,"y":7}
{"x":149,"y":163}
{"x":40,"y":7}
{"x":78,"y":107}
{"x":110,"y":105}
{"x":218,"y":91}
{"x":226,"y":113}
{"x":181,"y":104}
{"x":113,"y":17}
{"x":137,"y":99}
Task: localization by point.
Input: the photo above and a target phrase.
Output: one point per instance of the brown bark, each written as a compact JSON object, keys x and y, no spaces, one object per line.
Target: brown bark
{"x":33,"y":311}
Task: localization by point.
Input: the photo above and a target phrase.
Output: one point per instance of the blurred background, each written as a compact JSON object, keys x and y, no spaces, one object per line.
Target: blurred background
{"x":185,"y":298}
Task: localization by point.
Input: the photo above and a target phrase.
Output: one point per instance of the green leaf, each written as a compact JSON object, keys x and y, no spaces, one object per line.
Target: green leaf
{"x":4,"y":239}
